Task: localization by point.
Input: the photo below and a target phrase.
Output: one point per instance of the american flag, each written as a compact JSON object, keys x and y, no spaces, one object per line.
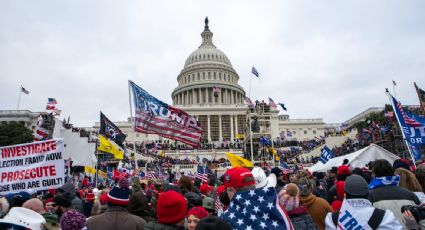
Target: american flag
{"x":407,"y":119}
{"x":150,"y":176}
{"x":255,"y":72}
{"x":247,"y":100}
{"x":50,"y":107}
{"x":267,"y":166}
{"x":156,"y":117}
{"x":51,"y":101}
{"x":285,"y":167}
{"x":41,"y":134}
{"x":201,"y":174}
{"x":257,"y":209}
{"x":272,"y":104}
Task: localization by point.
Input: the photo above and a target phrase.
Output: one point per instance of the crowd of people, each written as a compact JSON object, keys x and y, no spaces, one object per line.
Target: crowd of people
{"x":380,"y":195}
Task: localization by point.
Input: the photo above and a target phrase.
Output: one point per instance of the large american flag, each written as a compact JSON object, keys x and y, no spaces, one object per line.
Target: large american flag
{"x":407,"y":119}
{"x":156,"y":117}
{"x":272,"y":104}
{"x":257,"y":209}
{"x":150,"y":176}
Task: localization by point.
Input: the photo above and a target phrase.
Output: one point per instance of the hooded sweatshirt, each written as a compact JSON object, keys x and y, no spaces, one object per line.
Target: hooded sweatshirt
{"x":317,"y":208}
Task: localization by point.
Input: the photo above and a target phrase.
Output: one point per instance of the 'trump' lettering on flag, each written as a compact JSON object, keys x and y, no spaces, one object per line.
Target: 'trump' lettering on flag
{"x":36,"y":166}
{"x":255,"y":72}
{"x":156,"y":117}
{"x":256,"y":208}
{"x":413,"y":127}
{"x":272,"y":104}
{"x":110,"y":130}
{"x":326,"y":155}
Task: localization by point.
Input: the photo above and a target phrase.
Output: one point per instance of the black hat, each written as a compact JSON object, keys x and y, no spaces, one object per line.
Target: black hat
{"x":356,"y":185}
{"x":277,"y":171}
{"x":62,"y":201}
{"x":334,"y":169}
{"x":213,"y":223}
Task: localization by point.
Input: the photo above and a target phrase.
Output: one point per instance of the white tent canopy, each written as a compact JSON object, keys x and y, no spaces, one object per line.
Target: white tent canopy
{"x":356,"y":159}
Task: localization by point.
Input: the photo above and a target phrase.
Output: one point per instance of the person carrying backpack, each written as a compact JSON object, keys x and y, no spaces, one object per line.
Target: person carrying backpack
{"x":357,"y":211}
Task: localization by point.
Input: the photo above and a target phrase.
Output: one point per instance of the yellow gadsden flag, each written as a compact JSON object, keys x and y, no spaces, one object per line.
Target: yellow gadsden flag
{"x":90,"y":170}
{"x":107,"y":146}
{"x":238,"y":161}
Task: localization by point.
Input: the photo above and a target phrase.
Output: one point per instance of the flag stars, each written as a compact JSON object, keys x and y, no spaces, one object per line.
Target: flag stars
{"x":270,"y":205}
{"x":240,"y":222}
{"x":244,"y":211}
{"x":260,"y":199}
{"x":252,"y":193}
{"x":248,"y":227}
{"x":238,"y":197}
{"x":265,"y":216}
{"x":274,"y":223}
{"x":247,"y":202}
{"x":237,"y":207}
{"x":232,"y":215}
{"x":265,"y":189}
{"x":253,"y":217}
{"x":262,"y":225}
{"x":256,"y":209}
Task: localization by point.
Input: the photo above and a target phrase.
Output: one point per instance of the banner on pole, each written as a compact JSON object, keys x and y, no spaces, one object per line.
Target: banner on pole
{"x":32,"y":166}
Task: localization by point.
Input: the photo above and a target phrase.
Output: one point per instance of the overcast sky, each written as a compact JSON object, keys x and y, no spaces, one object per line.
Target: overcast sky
{"x":323,"y":59}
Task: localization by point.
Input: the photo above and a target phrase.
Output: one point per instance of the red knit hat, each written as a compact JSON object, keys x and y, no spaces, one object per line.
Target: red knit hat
{"x":119,"y":196}
{"x":90,"y":196}
{"x":220,"y":190}
{"x":343,"y":170}
{"x":171,"y":207}
{"x":238,"y":177}
{"x":198,"y":211}
{"x":205,"y":188}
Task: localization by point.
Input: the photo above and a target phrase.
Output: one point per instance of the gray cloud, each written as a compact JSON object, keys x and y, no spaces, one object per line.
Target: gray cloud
{"x":322,"y":59}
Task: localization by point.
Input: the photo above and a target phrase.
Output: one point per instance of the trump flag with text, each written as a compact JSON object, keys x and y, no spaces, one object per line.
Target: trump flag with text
{"x":32,"y":166}
{"x":156,"y":117}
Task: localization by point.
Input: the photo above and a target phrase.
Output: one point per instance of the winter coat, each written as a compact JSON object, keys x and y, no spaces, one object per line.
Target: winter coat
{"x":301,"y":219}
{"x":317,"y":208}
{"x":355,"y":214}
{"x":138,"y":206}
{"x":115,"y":217}
{"x":392,"y":198}
{"x":154,"y":225}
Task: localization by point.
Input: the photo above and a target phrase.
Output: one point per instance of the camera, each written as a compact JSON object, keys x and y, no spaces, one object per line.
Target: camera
{"x":417,"y":211}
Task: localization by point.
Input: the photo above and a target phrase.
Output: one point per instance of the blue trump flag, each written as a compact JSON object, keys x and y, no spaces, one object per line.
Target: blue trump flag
{"x":326,"y":155}
{"x":413,"y":128}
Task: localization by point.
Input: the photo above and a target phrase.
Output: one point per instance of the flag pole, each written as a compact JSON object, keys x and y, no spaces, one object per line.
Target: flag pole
{"x":132,"y":125}
{"x":401,"y":128}
{"x":19,"y":98}
{"x":394,"y":84}
{"x":249,"y":94}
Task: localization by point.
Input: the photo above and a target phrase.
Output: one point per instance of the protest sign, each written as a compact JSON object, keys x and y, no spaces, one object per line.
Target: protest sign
{"x":32,"y":166}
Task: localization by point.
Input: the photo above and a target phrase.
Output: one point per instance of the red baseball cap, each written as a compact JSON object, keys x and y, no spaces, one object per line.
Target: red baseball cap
{"x":343,"y":170}
{"x":205,"y":188}
{"x":238,"y":177}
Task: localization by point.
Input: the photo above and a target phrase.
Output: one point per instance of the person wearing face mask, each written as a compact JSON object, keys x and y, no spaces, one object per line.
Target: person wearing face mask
{"x":289,"y":199}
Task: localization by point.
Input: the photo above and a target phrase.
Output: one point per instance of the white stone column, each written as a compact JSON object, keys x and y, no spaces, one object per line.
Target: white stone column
{"x":236,"y":124}
{"x":220,"y":129}
{"x":209,"y":128}
{"x":200,"y":96}
{"x":206,"y":95}
{"x":219,"y":98}
{"x":193,"y":97}
{"x":232,"y":133}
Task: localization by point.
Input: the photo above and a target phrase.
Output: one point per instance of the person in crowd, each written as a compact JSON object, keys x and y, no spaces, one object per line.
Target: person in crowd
{"x":280,"y":183}
{"x":22,"y":218}
{"x":289,"y":199}
{"x":68,"y":192}
{"x":62,"y":204}
{"x":336,"y":193}
{"x":34,"y":204}
{"x":4,"y":206}
{"x":408,"y":181}
{"x":321,"y":188}
{"x":357,"y":211}
{"x":209,"y":204}
{"x":194,"y":215}
{"x":420,"y":175}
{"x":186,"y":185}
{"x":37,"y":206}
{"x":171,"y":212}
{"x":206,"y":189}
{"x":385,"y":192}
{"x":117,"y":216}
{"x":138,"y":206}
{"x":88,"y":204}
{"x":213,"y":223}
{"x":193,"y":199}
{"x":73,"y":220}
{"x":331,"y":178}
{"x":401,"y":163}
{"x":316,"y":206}
{"x":49,"y":206}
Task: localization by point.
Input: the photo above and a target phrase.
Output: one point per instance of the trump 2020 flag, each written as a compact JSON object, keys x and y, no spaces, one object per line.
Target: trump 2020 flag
{"x":157,"y":117}
{"x":413,"y":128}
{"x":256,"y":209}
{"x":326,"y":155}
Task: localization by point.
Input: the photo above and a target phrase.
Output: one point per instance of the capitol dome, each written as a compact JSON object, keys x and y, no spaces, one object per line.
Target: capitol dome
{"x":208,"y":77}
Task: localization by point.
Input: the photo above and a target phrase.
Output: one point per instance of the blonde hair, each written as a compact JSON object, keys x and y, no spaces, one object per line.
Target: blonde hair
{"x":408,"y":180}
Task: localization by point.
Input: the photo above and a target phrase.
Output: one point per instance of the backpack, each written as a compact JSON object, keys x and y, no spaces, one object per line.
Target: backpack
{"x":374,"y":220}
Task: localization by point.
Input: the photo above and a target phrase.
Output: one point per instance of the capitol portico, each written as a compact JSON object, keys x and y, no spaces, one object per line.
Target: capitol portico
{"x":221,"y":112}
